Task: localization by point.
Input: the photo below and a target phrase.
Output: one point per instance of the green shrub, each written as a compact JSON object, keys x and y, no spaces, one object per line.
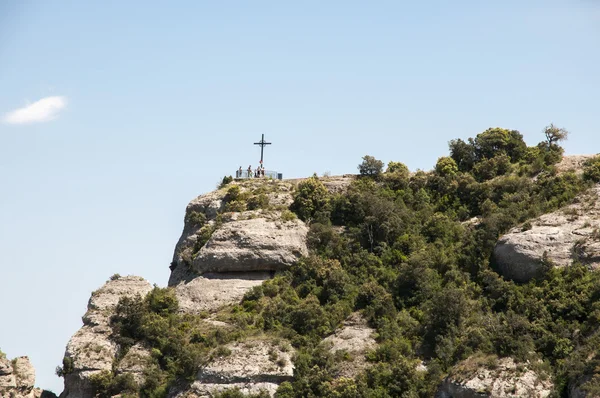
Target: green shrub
{"x":591,"y":169}
{"x":260,"y":201}
{"x":310,"y":199}
{"x":196,"y":219}
{"x":66,"y":368}
{"x":226,"y":180}
{"x":287,"y":215}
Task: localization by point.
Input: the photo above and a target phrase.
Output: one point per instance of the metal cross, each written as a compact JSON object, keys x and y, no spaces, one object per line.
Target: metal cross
{"x":262,"y":144}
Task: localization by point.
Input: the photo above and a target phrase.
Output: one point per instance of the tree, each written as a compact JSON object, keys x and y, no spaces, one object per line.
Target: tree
{"x":398,"y":167}
{"x":370,"y":166}
{"x":555,"y":134}
{"x":446,"y":166}
{"x":311,"y":199}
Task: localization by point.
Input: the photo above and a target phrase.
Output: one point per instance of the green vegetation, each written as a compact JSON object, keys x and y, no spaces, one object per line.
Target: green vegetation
{"x":226,"y":180}
{"x":423,"y":277}
{"x":413,"y":254}
{"x":179,"y":345}
{"x":66,"y":368}
{"x":370,"y":166}
{"x":591,"y":169}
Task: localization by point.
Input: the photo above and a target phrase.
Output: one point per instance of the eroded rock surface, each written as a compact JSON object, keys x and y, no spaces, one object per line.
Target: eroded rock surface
{"x":244,"y":241}
{"x":354,"y":338}
{"x":251,"y":366}
{"x":255,"y":244}
{"x":571,"y":233}
{"x":209,"y":292}
{"x":17,"y":379}
{"x":90,"y":349}
{"x":491,"y":377}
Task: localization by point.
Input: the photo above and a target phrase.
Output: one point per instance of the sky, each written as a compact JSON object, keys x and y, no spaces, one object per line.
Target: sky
{"x":114,"y":115}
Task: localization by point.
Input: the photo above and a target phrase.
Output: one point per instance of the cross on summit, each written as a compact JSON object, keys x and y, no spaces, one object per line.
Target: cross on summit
{"x":262,"y":144}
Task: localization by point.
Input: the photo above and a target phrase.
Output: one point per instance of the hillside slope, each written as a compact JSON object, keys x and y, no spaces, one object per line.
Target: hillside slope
{"x":445,"y":283}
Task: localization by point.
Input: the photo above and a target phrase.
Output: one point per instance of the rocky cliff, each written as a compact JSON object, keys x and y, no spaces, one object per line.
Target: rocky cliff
{"x":239,"y":237}
{"x":233,"y":239}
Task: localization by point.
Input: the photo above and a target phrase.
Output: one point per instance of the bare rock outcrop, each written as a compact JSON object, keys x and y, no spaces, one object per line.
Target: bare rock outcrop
{"x":480,"y":377}
{"x":17,"y":379}
{"x":218,"y":240}
{"x":90,"y":350}
{"x":571,"y":233}
{"x":264,"y":243}
{"x":573,"y":163}
{"x":250,"y":366}
{"x":355,"y":339}
{"x":209,"y":292}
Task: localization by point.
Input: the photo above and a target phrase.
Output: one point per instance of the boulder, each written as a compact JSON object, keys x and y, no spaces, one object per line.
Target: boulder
{"x":355,"y":339}
{"x":90,"y":349}
{"x":488,"y":376}
{"x":559,"y":238}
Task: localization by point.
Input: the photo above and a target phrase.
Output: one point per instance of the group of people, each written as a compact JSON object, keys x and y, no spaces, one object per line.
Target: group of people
{"x":258,"y":172}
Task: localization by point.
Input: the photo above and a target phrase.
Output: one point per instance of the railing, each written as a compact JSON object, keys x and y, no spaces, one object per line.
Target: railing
{"x":261,"y":174}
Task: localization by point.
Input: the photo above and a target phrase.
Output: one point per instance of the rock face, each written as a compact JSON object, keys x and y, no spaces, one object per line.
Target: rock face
{"x":247,"y":241}
{"x":225,"y":250}
{"x":355,"y":339}
{"x":265,"y":243}
{"x":17,"y":379}
{"x":491,"y":377}
{"x":90,"y":349}
{"x":250,"y":366}
{"x":209,"y":292}
{"x":243,"y":249}
{"x":571,"y":233}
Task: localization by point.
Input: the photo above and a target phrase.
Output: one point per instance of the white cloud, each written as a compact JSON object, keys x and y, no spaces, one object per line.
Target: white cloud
{"x":40,"y":111}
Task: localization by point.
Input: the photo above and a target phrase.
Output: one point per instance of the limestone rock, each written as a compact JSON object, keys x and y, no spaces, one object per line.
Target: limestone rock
{"x":573,"y":163}
{"x":355,"y":339}
{"x":255,"y":244}
{"x":564,"y":235}
{"x":7,"y":377}
{"x":255,"y":240}
{"x":491,"y":377}
{"x":90,"y":349}
{"x":251,"y":366}
{"x":17,"y":379}
{"x":338,"y":184}
{"x":212,"y":291}
{"x":134,"y":362}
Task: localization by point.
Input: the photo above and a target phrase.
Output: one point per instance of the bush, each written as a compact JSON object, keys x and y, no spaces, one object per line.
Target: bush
{"x":226,"y":180}
{"x":195,"y":219}
{"x":310,"y":199}
{"x":66,"y":368}
{"x":287,"y":215}
{"x":591,"y":169}
{"x":260,"y":201}
{"x":446,"y":166}
{"x":398,"y":168}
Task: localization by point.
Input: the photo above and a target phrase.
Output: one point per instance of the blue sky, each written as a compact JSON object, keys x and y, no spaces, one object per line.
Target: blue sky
{"x":145,"y":105}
